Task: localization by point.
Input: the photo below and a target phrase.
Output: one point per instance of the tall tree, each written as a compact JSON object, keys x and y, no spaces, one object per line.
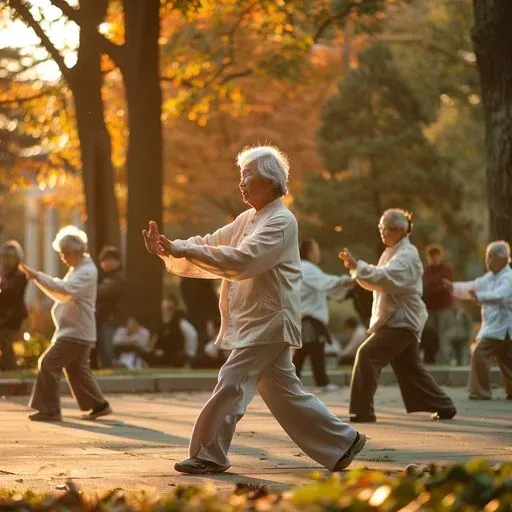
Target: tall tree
{"x":376,"y":156}
{"x":84,"y":80}
{"x":492,"y":39}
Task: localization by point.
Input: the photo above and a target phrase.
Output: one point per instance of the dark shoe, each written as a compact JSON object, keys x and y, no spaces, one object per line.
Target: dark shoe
{"x":195,"y":466}
{"x":42,"y":416}
{"x":347,"y":459}
{"x":103,"y":410}
{"x":444,"y":415}
{"x":362,"y":419}
{"x":479,"y":397}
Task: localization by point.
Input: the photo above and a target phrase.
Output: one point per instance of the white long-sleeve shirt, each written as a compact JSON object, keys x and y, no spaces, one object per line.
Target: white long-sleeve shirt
{"x":75,"y":301}
{"x":396,"y":282}
{"x":191,"y":337}
{"x":257,"y":256}
{"x":494,"y":293}
{"x":140,"y":338}
{"x":317,"y":287}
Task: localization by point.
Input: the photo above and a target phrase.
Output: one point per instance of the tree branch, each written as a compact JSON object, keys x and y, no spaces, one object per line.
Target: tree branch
{"x":27,"y":98}
{"x":24,"y":12}
{"x":70,"y":12}
{"x":238,"y":74}
{"x":339,"y":16}
{"x":113,"y":50}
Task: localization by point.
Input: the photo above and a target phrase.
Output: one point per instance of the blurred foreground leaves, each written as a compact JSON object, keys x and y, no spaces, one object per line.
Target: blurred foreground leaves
{"x":474,"y":486}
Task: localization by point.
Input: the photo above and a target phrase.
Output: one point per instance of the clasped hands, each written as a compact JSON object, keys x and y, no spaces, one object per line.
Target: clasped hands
{"x":159,"y":244}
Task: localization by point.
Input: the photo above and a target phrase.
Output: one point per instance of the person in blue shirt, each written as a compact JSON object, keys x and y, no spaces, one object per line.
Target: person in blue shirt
{"x":494,"y":293}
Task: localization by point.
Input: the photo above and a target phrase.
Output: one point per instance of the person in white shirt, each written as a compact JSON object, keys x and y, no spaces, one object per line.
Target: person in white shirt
{"x":398,"y":318}
{"x":494,"y":292}
{"x":129,"y":340}
{"x":75,"y":332}
{"x":358,"y":334}
{"x":317,"y":287}
{"x":257,"y":257}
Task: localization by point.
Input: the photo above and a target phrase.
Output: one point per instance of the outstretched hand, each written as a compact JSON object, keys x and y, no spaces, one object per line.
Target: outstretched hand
{"x":151,"y":237}
{"x":30,"y":273}
{"x":167,"y":247}
{"x":348,"y":259}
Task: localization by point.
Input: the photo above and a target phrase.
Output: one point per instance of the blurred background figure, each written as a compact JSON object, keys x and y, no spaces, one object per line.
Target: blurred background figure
{"x":358,"y":333}
{"x":12,"y":305}
{"x":438,"y":299}
{"x":177,"y":341}
{"x":214,"y":354}
{"x":460,"y":334}
{"x":317,"y":287}
{"x":202,"y":304}
{"x":111,"y":290}
{"x":129,"y":341}
{"x":493,"y":291}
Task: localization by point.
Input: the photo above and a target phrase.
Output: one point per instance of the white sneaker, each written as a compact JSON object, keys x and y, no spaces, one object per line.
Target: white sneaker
{"x":329,"y":388}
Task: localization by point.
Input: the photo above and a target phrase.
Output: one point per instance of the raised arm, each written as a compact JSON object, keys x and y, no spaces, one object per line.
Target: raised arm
{"x":501,"y":294}
{"x":63,"y":291}
{"x":185,"y":268}
{"x":336,"y":287}
{"x":395,"y":277}
{"x":257,"y":254}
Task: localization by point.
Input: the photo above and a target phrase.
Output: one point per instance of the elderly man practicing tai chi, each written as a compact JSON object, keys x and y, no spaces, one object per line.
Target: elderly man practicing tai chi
{"x":494,"y":293}
{"x":257,"y":256}
{"x":398,"y":318}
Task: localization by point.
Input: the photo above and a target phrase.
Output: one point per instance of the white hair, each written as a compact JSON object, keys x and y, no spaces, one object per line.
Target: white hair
{"x":270,"y":163}
{"x":400,"y":219}
{"x":499,"y":248}
{"x":71,"y":238}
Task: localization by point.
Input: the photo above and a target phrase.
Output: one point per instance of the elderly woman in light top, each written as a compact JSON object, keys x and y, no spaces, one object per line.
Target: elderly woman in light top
{"x":398,"y":318}
{"x":494,"y":292}
{"x":75,"y":332}
{"x":257,"y":256}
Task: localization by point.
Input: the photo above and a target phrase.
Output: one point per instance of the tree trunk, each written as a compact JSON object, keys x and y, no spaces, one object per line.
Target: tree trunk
{"x":492,"y":40}
{"x":144,"y":158}
{"x":95,"y":147}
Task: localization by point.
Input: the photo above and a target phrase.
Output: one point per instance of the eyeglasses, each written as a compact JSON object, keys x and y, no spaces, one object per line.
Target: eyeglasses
{"x":386,"y":228}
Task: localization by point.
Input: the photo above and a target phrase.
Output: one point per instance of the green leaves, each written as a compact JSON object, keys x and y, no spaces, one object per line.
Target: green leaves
{"x":471,"y":487}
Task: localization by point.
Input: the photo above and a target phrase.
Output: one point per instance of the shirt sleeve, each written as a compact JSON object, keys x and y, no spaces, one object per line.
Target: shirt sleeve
{"x":190,"y":335}
{"x":500,"y":294}
{"x":394,"y":277}
{"x":258,"y":253}
{"x":461,"y":289}
{"x":185,"y":268}
{"x":60,"y":290}
{"x":336,"y":287}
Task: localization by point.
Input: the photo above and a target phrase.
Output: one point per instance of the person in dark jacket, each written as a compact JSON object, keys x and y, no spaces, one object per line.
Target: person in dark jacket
{"x":12,"y":305}
{"x":202,"y":304}
{"x":111,"y":290}
{"x":176,"y":343}
{"x":439,"y":300}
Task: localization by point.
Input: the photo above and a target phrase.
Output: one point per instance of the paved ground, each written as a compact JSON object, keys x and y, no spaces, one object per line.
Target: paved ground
{"x":138,"y":446}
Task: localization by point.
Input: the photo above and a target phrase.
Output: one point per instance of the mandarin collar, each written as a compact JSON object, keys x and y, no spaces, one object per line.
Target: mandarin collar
{"x":268,"y":208}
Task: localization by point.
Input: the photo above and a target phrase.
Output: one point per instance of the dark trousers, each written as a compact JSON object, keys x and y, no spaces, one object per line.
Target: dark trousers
{"x":73,"y":358}
{"x":399,"y":347}
{"x":7,"y":356}
{"x":316,"y":352}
